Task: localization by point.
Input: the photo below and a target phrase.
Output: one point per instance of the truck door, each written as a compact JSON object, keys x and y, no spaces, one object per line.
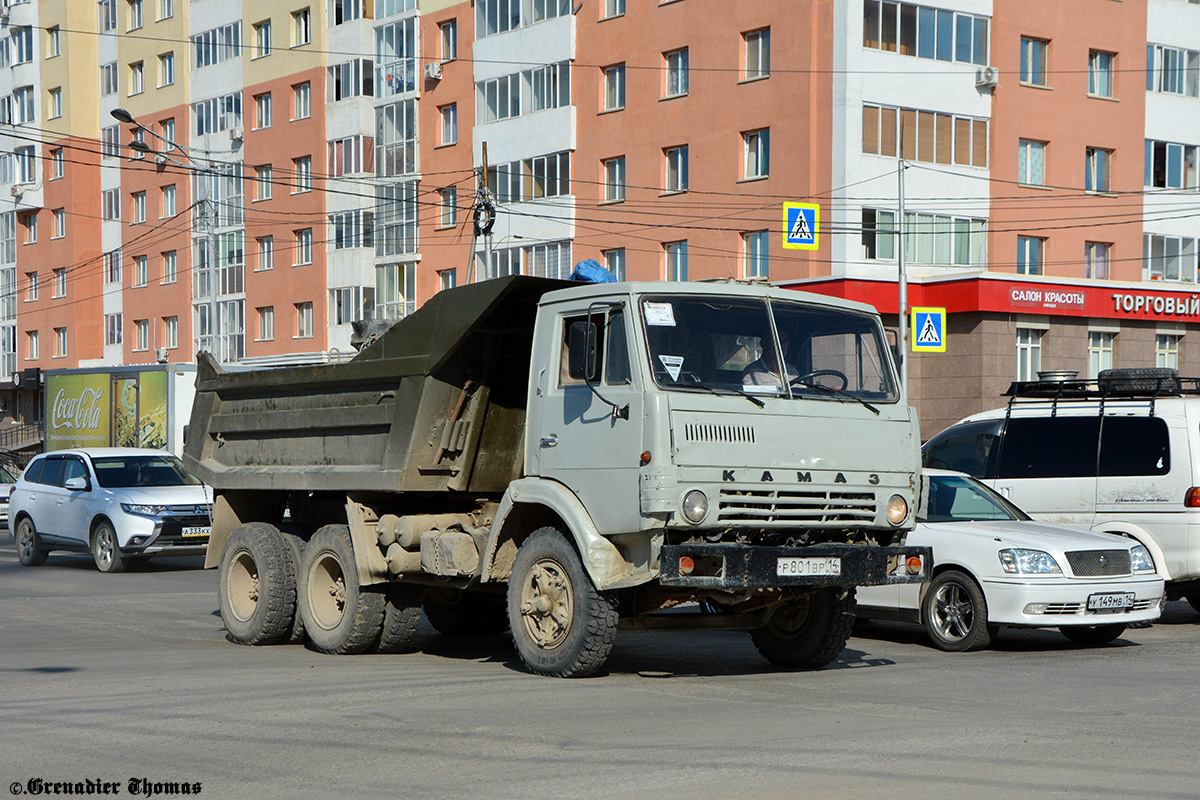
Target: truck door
{"x":581,"y":443}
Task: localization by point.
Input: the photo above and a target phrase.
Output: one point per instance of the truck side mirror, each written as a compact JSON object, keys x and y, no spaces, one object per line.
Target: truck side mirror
{"x":581,"y":351}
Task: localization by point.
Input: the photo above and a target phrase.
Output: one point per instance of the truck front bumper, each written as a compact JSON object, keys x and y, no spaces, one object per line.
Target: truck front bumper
{"x":736,"y":566}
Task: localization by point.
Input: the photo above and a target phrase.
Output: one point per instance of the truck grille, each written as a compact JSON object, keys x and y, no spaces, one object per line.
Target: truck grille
{"x":732,"y":434}
{"x":1093,"y":563}
{"x":791,"y":508}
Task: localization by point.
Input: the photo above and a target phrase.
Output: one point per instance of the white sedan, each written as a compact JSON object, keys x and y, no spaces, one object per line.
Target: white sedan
{"x":994,"y":566}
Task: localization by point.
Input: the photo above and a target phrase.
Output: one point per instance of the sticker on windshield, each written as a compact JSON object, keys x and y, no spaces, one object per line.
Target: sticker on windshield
{"x":672,"y":363}
{"x":659,"y":314}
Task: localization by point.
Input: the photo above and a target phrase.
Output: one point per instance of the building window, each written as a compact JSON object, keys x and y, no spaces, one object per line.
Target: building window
{"x":449,"y":116}
{"x":262,"y":39}
{"x":266,"y":323}
{"x":449,"y":37}
{"x":141,"y":334}
{"x":108,"y":79}
{"x":1031,"y":163}
{"x":304,"y":320}
{"x":60,"y":342}
{"x":266,"y":253}
{"x":31,"y":287}
{"x":1098,"y":170}
{"x":170,"y":332}
{"x":550,"y":86}
{"x":138,"y":203}
{"x":301,"y":27}
{"x":262,"y":110}
{"x":108,"y":15}
{"x":137,"y":78}
{"x":53,"y":42}
{"x":1171,"y":166}
{"x":614,"y":8}
{"x":26,"y":161}
{"x":677,"y":73}
{"x":1033,"y":61}
{"x":1095,"y":260}
{"x":166,"y":69}
{"x":60,"y":283}
{"x":217,"y":45}
{"x":301,"y":101}
{"x":758,"y":54}
{"x":30,"y":221}
{"x":925,"y":136}
{"x":1166,"y":350}
{"x":1172,"y":70}
{"x":167,"y":202}
{"x":55,"y":104}
{"x":112,"y":328}
{"x":112,"y":266}
{"x":496,"y":16}
{"x":135,"y":14}
{"x":1100,"y":74}
{"x":614,"y":180}
{"x":755,"y":263}
{"x":31,"y":345}
{"x":57,"y":165}
{"x":500,"y":98}
{"x":1100,"y":352}
{"x":353,"y":229}
{"x":262,"y":182}
{"x":354,"y":78}
{"x":166,"y":9}
{"x":924,"y":32}
{"x":614,"y":87}
{"x":303,"y":170}
{"x":60,"y":223}
{"x":141,"y":273}
{"x":449,"y":206}
{"x":20,"y":43}
{"x":23,"y":100}
{"x":1029,"y":255}
{"x":1029,"y":354}
{"x":170,"y":267}
{"x":757,"y":151}
{"x":304,"y":247}
{"x":677,"y":169}
{"x":531,"y":178}
{"x":677,"y":261}
{"x":447,"y":279}
{"x":110,"y":204}
{"x":1168,"y":258}
{"x":614,"y":262}
{"x":166,"y":131}
{"x":347,"y":11}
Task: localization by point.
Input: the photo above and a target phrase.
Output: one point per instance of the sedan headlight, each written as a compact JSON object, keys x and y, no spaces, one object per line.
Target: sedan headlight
{"x":143,"y":510}
{"x":1028,"y":562}
{"x":1140,"y":559}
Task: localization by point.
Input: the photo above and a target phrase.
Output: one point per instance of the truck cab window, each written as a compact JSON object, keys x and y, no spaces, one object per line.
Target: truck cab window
{"x":617,"y":349}
{"x":579,"y":325}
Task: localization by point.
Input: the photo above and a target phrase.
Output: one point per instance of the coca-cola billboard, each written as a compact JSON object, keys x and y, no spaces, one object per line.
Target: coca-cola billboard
{"x":78,"y":412}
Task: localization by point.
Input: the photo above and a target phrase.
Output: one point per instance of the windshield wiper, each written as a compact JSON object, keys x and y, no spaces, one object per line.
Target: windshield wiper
{"x":836,"y":393}
{"x":720,"y":391}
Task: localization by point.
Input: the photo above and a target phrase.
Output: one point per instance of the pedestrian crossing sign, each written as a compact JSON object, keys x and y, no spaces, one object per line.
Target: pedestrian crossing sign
{"x":929,"y":330}
{"x":800,"y":221}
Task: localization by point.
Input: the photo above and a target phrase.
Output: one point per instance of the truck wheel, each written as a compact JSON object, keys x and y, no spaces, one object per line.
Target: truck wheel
{"x":257,"y":586}
{"x":955,"y":613}
{"x":29,"y":544}
{"x":457,"y":613}
{"x":106,"y":552}
{"x":809,"y":632}
{"x":339,"y":615}
{"x":561,"y":626}
{"x":1093,"y":634}
{"x":1193,"y":600}
{"x":401,"y":613}
{"x":295,"y":536}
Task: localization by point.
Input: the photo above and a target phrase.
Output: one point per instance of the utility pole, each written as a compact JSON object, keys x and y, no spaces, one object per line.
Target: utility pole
{"x":482,"y":206}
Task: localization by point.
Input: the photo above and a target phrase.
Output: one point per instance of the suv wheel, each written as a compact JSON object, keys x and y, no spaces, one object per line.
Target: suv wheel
{"x":29,"y":544}
{"x":105,"y":549}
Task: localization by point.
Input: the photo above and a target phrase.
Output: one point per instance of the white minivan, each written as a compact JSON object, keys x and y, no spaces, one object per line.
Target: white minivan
{"x":1120,"y":454}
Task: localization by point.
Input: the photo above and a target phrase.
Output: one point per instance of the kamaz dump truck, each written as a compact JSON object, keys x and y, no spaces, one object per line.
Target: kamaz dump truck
{"x":567,"y":460}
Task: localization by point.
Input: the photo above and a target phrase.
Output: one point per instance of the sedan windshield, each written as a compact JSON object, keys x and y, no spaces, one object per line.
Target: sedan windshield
{"x":767,"y":347}
{"x":123,"y":472}
{"x":957,"y":498}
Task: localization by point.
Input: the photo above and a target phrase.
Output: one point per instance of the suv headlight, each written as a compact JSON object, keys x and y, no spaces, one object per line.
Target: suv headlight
{"x":1028,"y":562}
{"x":143,"y":510}
{"x":1140,"y":559}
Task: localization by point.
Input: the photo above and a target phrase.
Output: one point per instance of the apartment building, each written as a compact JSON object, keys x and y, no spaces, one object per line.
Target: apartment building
{"x":250,"y":179}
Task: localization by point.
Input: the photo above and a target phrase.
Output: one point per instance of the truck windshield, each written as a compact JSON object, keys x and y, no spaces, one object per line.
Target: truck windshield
{"x":707,"y":343}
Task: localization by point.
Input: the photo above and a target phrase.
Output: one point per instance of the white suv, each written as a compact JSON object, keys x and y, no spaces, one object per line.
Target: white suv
{"x":1119,"y":455}
{"x":117,"y":503}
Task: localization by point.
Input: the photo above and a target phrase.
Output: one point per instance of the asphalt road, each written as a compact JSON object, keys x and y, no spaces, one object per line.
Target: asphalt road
{"x":129,"y":677}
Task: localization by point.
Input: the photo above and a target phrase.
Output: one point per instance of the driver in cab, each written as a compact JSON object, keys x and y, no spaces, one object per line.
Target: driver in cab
{"x":765,"y":371}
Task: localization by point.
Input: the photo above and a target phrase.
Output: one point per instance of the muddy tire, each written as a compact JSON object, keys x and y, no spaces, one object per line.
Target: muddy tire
{"x":809,"y":632}
{"x":561,"y":626}
{"x":457,"y":613}
{"x":296,"y":538}
{"x":955,"y":613}
{"x":401,"y":613}
{"x":257,"y":585}
{"x":1093,"y":635}
{"x":29,"y":545}
{"x":106,"y":550}
{"x":339,"y":615}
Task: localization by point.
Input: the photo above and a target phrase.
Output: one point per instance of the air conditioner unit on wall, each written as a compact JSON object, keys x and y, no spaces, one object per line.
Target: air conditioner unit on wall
{"x":18,"y":190}
{"x":161,"y":355}
{"x":235,"y":134}
{"x":987,"y":77}
{"x":433,"y":71}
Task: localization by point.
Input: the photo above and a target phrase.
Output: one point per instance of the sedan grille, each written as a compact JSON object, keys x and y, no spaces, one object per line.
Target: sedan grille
{"x":791,"y":508}
{"x":1095,"y":563}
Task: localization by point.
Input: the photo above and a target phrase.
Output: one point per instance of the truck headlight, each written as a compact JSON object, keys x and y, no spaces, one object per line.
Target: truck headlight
{"x":695,"y":506}
{"x":1140,"y":559}
{"x":1028,"y":562}
{"x":897,"y":509}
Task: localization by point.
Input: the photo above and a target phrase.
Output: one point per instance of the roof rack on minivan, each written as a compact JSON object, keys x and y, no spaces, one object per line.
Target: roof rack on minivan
{"x":1143,"y":383}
